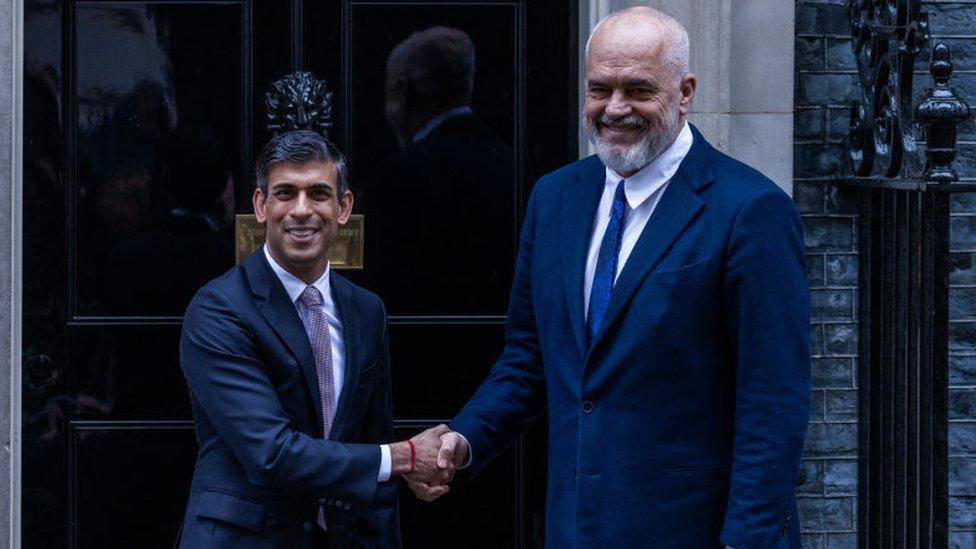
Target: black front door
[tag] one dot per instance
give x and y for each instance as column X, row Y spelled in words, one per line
column 142, row 122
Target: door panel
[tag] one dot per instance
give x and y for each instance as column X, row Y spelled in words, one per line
column 130, row 482
column 427, row 358
column 142, row 120
column 155, row 154
column 481, row 514
column 421, row 194
column 126, row 371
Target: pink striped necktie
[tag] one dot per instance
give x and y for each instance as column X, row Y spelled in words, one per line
column 318, row 336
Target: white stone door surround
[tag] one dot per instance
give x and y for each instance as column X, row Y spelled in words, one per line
column 11, row 134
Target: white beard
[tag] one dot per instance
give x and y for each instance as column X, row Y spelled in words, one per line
column 640, row 154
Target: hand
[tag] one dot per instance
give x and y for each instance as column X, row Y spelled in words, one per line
column 428, row 446
column 424, row 491
column 423, row 467
column 453, row 452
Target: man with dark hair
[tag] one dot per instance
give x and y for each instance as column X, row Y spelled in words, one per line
column 289, row 379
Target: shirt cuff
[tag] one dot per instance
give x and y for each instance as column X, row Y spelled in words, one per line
column 386, row 464
column 467, row 462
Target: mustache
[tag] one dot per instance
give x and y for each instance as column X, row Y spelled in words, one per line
column 629, row 120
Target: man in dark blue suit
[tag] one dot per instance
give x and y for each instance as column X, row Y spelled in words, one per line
column 660, row 315
column 289, row 378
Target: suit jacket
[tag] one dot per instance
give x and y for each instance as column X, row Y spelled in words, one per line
column 263, row 468
column 682, row 423
column 460, row 175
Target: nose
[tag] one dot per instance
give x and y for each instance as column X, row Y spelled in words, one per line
column 302, row 206
column 618, row 106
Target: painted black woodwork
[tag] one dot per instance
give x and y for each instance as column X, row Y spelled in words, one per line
column 120, row 97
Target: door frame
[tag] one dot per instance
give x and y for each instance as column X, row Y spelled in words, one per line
column 11, row 186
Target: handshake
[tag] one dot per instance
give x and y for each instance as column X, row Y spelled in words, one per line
column 429, row 460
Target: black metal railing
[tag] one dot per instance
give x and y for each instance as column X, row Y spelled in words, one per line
column 903, row 281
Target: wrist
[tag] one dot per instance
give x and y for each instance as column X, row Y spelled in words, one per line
column 400, row 458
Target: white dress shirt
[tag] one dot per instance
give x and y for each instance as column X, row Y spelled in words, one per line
column 643, row 191
column 294, row 288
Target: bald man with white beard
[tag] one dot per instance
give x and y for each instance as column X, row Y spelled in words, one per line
column 660, row 315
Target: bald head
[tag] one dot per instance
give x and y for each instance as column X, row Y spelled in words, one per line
column 440, row 63
column 655, row 30
column 638, row 88
column 426, row 74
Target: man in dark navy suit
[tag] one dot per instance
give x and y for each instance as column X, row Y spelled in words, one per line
column 660, row 314
column 289, row 378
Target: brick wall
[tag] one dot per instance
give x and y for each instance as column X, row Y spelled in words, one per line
column 826, row 84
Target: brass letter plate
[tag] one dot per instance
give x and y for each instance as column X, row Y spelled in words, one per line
column 346, row 252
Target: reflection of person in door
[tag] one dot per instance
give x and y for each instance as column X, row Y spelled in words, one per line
column 159, row 270
column 447, row 193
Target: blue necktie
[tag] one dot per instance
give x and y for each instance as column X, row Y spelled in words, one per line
column 606, row 263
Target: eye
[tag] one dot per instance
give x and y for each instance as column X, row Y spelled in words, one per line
column 320, row 193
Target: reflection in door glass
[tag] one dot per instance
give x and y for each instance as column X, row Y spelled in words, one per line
column 158, row 135
column 443, row 179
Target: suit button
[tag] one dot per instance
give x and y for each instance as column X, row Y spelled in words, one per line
column 322, row 501
column 347, row 506
column 587, row 406
column 338, row 503
column 307, row 526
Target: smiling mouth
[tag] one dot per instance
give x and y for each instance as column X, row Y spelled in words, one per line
column 619, row 135
column 302, row 232
column 621, row 128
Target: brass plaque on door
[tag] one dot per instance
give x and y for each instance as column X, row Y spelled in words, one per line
column 346, row 252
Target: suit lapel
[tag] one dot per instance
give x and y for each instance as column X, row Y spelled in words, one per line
column 673, row 214
column 579, row 204
column 281, row 315
column 351, row 335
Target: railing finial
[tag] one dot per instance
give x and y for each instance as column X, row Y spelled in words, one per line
column 940, row 111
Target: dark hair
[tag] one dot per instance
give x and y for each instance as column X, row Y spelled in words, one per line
column 440, row 63
column 299, row 147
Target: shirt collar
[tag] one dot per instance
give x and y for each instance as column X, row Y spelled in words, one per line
column 650, row 178
column 432, row 124
column 294, row 286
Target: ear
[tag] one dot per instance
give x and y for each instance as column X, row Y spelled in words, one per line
column 345, row 206
column 687, row 88
column 258, row 201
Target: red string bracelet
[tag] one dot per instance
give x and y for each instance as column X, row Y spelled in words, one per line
column 413, row 455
